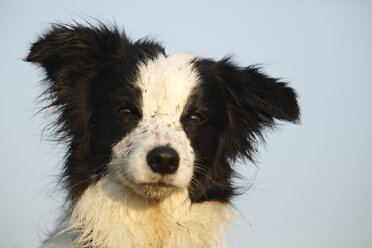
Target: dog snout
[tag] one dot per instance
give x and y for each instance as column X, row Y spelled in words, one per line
column 163, row 160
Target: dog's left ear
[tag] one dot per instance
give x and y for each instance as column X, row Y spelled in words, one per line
column 254, row 101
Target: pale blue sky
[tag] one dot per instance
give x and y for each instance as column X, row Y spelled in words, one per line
column 313, row 187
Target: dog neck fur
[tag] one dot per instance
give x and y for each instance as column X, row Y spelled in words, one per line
column 108, row 215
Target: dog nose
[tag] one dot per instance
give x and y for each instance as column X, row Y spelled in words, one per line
column 163, row 160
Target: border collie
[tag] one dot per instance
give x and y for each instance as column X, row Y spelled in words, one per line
column 151, row 137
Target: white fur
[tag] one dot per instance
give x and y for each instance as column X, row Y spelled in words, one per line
column 166, row 84
column 114, row 217
column 132, row 206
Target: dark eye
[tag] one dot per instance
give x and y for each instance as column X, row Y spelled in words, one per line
column 196, row 118
column 124, row 111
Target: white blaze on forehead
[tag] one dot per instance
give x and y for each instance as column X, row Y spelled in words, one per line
column 166, row 83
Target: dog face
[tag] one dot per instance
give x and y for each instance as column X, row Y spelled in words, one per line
column 151, row 122
column 156, row 156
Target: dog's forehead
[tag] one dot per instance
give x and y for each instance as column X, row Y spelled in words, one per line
column 166, row 83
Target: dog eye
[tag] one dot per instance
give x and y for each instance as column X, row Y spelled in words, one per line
column 196, row 118
column 124, row 111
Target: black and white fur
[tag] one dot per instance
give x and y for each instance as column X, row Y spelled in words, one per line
column 151, row 137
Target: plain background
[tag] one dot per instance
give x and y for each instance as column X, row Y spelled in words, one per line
column 312, row 186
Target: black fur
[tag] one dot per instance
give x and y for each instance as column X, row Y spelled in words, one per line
column 90, row 73
column 243, row 102
column 83, row 66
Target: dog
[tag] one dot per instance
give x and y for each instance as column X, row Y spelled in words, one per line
column 151, row 137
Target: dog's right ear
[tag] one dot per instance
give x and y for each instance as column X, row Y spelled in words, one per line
column 68, row 50
column 71, row 57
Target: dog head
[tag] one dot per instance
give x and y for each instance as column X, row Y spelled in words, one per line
column 153, row 122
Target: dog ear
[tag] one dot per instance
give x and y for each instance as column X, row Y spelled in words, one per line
column 254, row 101
column 74, row 50
column 71, row 57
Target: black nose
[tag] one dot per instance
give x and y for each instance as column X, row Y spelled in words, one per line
column 163, row 160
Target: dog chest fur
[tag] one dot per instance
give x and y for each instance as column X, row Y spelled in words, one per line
column 106, row 216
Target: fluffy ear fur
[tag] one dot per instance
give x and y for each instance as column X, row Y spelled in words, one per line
column 71, row 57
column 254, row 101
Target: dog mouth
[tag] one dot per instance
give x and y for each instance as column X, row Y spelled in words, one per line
column 151, row 190
column 157, row 185
column 154, row 190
